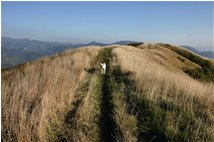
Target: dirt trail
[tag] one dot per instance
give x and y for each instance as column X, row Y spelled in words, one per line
column 106, row 121
column 101, row 123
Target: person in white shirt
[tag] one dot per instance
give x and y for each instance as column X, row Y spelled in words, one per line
column 103, row 69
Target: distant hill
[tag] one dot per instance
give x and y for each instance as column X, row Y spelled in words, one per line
column 18, row 51
column 125, row 42
column 208, row 54
column 93, row 43
column 36, row 46
column 12, row 57
column 122, row 42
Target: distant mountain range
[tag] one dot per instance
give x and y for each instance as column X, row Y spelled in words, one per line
column 18, row 51
column 208, row 54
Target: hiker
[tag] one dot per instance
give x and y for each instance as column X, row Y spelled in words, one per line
column 103, row 69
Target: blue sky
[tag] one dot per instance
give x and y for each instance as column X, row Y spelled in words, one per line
column 181, row 23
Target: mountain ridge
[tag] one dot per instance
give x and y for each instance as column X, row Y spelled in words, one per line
column 18, row 51
column 208, row 54
column 15, row 51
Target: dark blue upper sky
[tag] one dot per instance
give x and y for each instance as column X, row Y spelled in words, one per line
column 189, row 23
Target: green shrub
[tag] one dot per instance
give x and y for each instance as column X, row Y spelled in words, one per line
column 135, row 44
column 201, row 74
column 205, row 73
column 181, row 59
column 104, row 55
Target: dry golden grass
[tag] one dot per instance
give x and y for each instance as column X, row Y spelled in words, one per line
column 38, row 96
column 34, row 93
column 86, row 126
column 167, row 57
column 160, row 78
column 141, row 62
column 126, row 122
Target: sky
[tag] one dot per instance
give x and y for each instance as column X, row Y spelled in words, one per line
column 179, row 23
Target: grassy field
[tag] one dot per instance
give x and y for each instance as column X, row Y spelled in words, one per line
column 146, row 95
column 170, row 106
column 34, row 93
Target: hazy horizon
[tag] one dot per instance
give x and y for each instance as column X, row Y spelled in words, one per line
column 179, row 23
column 204, row 48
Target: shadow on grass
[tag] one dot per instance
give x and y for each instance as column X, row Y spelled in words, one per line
column 80, row 94
column 108, row 126
column 150, row 123
column 107, row 123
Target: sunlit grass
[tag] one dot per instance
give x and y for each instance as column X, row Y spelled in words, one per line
column 173, row 106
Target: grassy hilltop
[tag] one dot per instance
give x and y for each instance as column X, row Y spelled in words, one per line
column 151, row 92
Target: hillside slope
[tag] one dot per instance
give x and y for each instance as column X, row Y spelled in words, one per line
column 208, row 54
column 146, row 95
column 34, row 92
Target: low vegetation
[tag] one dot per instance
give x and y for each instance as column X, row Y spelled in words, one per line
column 169, row 105
column 140, row 98
column 205, row 73
column 135, row 44
column 200, row 74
